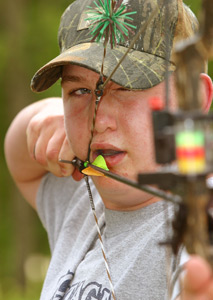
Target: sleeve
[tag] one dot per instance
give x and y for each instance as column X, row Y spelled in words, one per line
column 54, row 196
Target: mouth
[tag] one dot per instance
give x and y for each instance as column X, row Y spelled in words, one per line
column 106, row 153
column 111, row 156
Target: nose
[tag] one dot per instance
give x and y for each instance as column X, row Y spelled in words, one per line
column 106, row 114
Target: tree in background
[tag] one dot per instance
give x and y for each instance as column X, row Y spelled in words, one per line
column 28, row 31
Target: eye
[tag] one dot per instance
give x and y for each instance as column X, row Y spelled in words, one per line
column 130, row 90
column 124, row 94
column 125, row 90
column 79, row 92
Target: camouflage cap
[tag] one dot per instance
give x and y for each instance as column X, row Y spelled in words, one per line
column 144, row 66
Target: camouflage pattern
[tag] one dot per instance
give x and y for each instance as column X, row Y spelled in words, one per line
column 143, row 68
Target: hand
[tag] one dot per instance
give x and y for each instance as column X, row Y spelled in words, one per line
column 47, row 141
column 198, row 281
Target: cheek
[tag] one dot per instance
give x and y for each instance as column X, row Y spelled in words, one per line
column 140, row 135
column 140, row 122
column 77, row 129
column 145, row 141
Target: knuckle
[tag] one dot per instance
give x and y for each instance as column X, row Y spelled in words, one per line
column 41, row 159
column 54, row 169
column 66, row 171
column 33, row 126
column 51, row 120
column 56, row 172
column 52, row 154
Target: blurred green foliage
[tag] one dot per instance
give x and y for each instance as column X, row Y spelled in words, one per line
column 28, row 39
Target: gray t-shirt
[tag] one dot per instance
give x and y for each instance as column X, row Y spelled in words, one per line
column 131, row 239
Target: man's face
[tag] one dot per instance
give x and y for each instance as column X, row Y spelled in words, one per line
column 122, row 132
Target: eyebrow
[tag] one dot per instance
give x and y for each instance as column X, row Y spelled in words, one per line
column 72, row 78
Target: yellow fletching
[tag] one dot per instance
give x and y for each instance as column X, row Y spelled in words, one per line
column 91, row 172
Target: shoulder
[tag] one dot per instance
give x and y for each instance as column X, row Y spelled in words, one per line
column 58, row 192
column 63, row 206
column 57, row 197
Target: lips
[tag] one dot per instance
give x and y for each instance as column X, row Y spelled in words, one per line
column 111, row 154
column 106, row 153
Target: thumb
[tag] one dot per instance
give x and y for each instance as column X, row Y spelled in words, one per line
column 198, row 274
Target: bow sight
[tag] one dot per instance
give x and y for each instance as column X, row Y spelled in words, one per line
column 187, row 138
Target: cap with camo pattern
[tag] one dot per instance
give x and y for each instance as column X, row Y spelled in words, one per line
column 144, row 66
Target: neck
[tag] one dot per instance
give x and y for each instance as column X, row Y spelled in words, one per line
column 134, row 205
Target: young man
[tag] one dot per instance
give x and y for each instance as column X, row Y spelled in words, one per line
column 132, row 223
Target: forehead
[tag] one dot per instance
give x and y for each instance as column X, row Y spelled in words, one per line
column 75, row 73
column 71, row 68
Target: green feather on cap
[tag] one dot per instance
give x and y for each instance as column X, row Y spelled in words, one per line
column 109, row 21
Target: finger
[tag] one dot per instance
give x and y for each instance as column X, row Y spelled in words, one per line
column 77, row 175
column 40, row 148
column 211, row 290
column 66, row 153
column 43, row 125
column 68, row 169
column 198, row 275
column 38, row 135
column 34, row 152
column 54, row 147
column 32, row 137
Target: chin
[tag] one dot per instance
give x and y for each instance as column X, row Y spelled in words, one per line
column 112, row 186
column 108, row 184
column 118, row 194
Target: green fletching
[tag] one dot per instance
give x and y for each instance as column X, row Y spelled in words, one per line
column 109, row 21
column 100, row 162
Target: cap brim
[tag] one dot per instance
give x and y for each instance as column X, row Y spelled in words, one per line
column 139, row 70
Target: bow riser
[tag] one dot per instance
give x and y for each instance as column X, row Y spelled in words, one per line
column 190, row 60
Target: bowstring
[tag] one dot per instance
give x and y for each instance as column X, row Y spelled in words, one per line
column 101, row 84
column 98, row 95
column 168, row 252
column 99, row 236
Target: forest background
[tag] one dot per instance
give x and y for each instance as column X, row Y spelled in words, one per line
column 28, row 39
